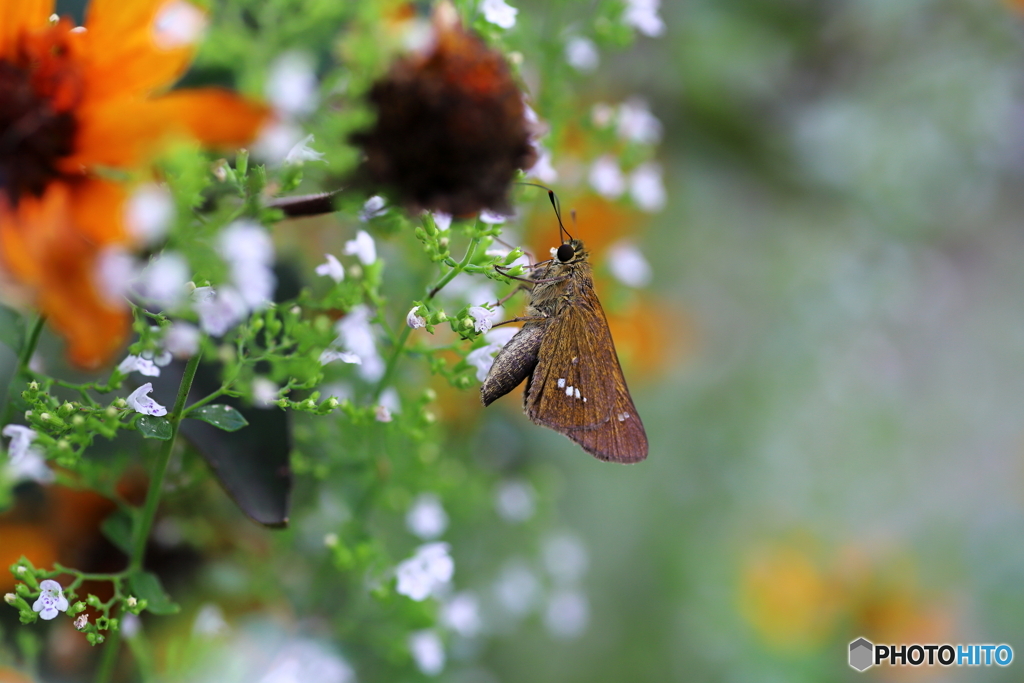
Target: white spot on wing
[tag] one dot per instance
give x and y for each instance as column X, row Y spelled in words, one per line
column 584, row 399
column 576, row 392
column 561, row 382
column 568, row 391
column 622, row 417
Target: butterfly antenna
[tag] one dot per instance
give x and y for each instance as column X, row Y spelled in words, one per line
column 557, row 206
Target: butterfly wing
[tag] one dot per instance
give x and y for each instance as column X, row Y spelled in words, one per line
column 577, row 387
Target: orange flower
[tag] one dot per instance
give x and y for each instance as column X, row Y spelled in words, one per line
column 76, row 104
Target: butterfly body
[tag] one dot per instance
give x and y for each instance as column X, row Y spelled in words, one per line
column 566, row 354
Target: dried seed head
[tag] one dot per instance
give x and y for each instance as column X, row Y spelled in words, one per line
column 451, row 128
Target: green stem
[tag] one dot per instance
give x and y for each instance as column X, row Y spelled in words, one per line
column 392, row 365
column 144, row 522
column 24, row 358
column 30, row 344
column 156, row 479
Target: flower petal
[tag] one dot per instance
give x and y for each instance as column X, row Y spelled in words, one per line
column 125, row 131
column 126, row 54
column 43, row 247
column 20, row 15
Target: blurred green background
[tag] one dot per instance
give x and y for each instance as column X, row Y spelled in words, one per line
column 836, row 420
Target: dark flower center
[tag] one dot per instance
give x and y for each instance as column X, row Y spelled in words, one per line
column 33, row 137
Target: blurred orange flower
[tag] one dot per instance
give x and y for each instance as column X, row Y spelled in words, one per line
column 787, row 597
column 76, row 104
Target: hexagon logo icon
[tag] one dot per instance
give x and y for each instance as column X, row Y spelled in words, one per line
column 861, row 654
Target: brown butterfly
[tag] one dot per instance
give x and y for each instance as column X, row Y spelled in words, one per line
column 574, row 383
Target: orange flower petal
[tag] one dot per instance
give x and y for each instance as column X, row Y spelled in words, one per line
column 44, row 247
column 215, row 117
column 124, row 132
column 98, row 208
column 126, row 52
column 20, row 15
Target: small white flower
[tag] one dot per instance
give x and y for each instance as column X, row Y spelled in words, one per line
column 25, row 461
column 483, row 358
column 149, row 212
column 210, row 621
column 628, row 264
column 646, row 187
column 182, row 339
column 565, row 558
column 140, row 365
column 426, row 518
column 643, row 16
column 51, row 600
column 499, row 13
column 427, row 651
column 429, row 569
column 374, row 207
column 542, row 170
column 636, row 122
column 178, row 24
column 116, row 270
column 302, row 660
column 482, row 318
column 602, row 114
column 276, row 139
column 567, row 614
column 301, row 152
column 606, row 177
column 356, row 335
column 163, row 280
column 140, row 401
column 581, row 54
column 492, row 217
column 245, row 242
column 442, row 220
column 291, row 85
column 389, row 399
column 332, row 268
column 130, row 625
column 517, row 588
column 462, row 614
column 81, row 621
column 414, row 320
column 21, row 440
column 362, row 247
column 330, row 355
column 514, row 501
column 382, row 414
column 264, row 392
column 221, row 311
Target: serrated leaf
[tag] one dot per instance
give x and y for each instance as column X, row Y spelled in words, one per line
column 118, row 530
column 220, row 416
column 12, row 329
column 154, row 427
column 146, row 585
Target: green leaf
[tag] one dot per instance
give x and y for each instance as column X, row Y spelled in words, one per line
column 220, row 416
column 146, row 586
column 154, row 427
column 118, row 530
column 12, row 329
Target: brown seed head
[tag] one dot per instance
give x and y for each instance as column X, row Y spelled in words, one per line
column 451, row 130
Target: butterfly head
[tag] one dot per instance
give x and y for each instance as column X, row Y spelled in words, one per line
column 570, row 251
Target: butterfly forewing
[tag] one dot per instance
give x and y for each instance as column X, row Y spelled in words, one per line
column 577, row 387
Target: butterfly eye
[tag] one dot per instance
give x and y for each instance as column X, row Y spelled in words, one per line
column 565, row 253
